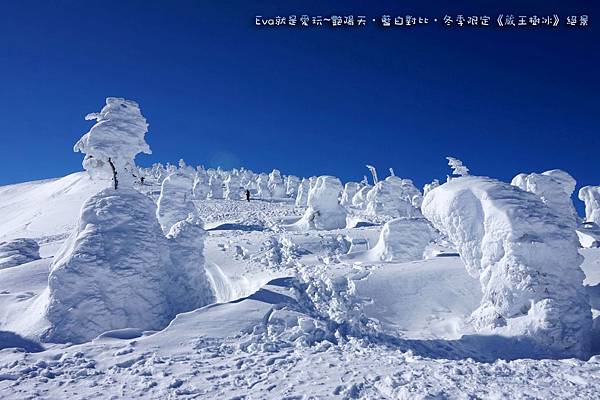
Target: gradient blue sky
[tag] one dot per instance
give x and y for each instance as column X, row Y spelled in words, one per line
column 217, row 90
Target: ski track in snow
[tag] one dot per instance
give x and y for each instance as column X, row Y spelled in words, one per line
column 291, row 320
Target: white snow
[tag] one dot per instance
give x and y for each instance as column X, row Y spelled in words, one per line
column 555, row 188
column 116, row 138
column 18, row 251
column 394, row 197
column 324, row 211
column 591, row 196
column 174, row 203
column 235, row 303
column 526, row 260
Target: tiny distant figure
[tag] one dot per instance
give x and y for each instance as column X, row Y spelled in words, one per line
column 142, row 180
column 247, row 195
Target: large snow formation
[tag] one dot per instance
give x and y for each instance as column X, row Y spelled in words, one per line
column 276, row 184
column 525, row 258
column 590, row 195
column 394, row 197
column 189, row 285
column 215, row 185
column 18, row 251
column 324, row 210
column 110, row 273
column 262, row 186
column 233, row 189
column 118, row 270
column 174, row 202
column 360, row 198
column 403, row 239
column 555, row 188
column 350, row 189
column 116, row 138
column 302, row 195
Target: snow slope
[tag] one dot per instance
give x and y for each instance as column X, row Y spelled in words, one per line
column 296, row 317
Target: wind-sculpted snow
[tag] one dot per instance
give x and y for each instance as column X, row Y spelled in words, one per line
column 394, row 197
column 233, row 189
column 302, row 194
column 360, row 198
column 18, row 251
column 117, row 137
column 262, row 186
column 591, row 196
column 525, row 258
column 324, row 211
column 403, row 239
column 215, row 185
column 276, row 184
column 350, row 189
column 112, row 272
column 118, row 270
column 291, row 186
column 555, row 188
column 174, row 203
column 189, row 285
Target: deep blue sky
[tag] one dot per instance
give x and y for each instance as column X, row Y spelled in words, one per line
column 216, row 89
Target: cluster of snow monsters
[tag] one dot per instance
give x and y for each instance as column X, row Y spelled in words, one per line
column 130, row 263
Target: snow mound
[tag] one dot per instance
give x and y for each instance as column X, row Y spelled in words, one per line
column 189, row 284
column 18, row 251
column 174, row 202
column 527, row 262
column 116, row 270
column 324, row 211
column 403, row 240
column 590, row 195
column 555, row 188
column 360, row 198
column 276, row 184
column 302, row 194
column 400, row 240
column 350, row 189
column 394, row 197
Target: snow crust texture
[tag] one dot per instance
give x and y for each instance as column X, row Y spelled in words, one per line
column 525, row 258
column 18, row 251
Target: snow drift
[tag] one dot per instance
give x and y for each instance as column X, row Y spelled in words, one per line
column 525, row 258
column 18, row 251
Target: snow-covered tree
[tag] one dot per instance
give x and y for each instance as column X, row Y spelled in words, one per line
column 373, row 173
column 111, row 145
column 457, row 166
